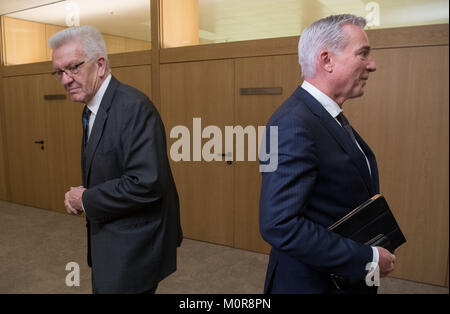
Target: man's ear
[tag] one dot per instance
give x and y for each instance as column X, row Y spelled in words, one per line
column 101, row 62
column 326, row 61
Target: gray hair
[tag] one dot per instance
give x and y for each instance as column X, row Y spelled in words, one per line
column 325, row 33
column 90, row 38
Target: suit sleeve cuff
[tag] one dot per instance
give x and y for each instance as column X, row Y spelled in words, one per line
column 376, row 256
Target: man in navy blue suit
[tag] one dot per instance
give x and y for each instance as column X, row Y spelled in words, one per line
column 325, row 169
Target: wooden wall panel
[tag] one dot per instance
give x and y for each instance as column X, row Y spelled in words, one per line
column 24, row 41
column 3, row 173
column 404, row 116
column 3, row 151
column 137, row 76
column 255, row 110
column 204, row 90
column 50, row 30
column 446, row 279
column 118, row 44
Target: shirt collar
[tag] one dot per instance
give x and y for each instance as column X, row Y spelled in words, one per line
column 329, row 104
column 94, row 104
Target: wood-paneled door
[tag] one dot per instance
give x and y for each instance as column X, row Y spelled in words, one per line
column 25, row 122
column 255, row 110
column 202, row 90
column 63, row 131
column 43, row 139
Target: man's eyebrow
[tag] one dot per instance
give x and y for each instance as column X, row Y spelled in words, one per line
column 364, row 48
column 67, row 66
column 56, row 68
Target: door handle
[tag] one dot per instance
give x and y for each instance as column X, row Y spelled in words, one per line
column 229, row 162
column 41, row 142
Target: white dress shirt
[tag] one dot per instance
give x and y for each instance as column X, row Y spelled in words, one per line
column 332, row 107
column 334, row 110
column 94, row 104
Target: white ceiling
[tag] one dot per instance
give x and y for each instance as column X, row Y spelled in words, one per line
column 231, row 20
column 128, row 18
column 8, row 6
column 228, row 20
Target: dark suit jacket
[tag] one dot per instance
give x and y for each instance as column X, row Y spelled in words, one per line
column 131, row 202
column 321, row 176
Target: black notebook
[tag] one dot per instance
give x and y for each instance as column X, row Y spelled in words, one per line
column 371, row 223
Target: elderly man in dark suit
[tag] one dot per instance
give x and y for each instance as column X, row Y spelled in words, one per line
column 325, row 169
column 128, row 192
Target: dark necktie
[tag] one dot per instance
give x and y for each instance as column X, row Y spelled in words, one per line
column 86, row 116
column 347, row 127
column 344, row 122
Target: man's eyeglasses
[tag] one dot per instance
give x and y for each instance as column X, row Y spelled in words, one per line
column 70, row 71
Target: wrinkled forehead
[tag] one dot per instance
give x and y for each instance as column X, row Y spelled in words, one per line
column 68, row 54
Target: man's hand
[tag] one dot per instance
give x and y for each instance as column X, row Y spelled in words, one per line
column 386, row 261
column 72, row 200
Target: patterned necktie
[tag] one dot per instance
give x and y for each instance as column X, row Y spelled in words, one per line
column 86, row 116
column 347, row 127
column 344, row 122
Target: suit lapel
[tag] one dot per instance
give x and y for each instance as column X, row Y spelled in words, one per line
column 372, row 161
column 83, row 163
column 340, row 135
column 98, row 127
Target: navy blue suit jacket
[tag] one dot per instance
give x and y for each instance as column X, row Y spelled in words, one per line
column 321, row 176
